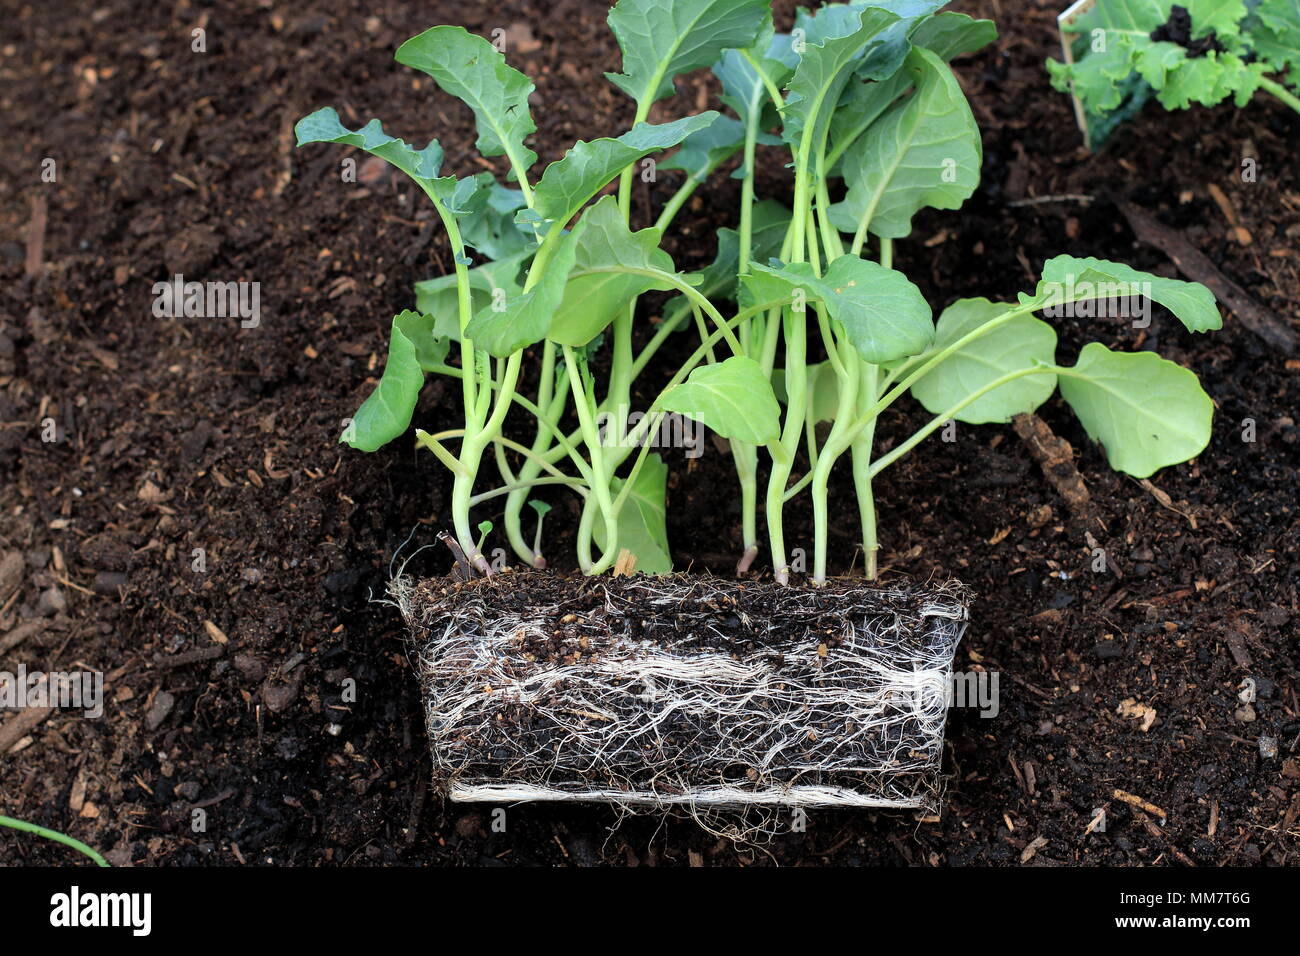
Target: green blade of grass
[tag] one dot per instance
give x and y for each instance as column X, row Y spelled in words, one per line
column 57, row 837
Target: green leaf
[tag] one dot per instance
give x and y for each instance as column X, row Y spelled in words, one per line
column 883, row 314
column 925, row 151
column 1220, row 17
column 952, row 34
column 420, row 330
column 460, row 197
column 1146, row 412
column 593, row 298
column 888, row 48
column 492, row 231
column 861, row 104
column 1275, row 32
column 323, row 126
column 1021, row 343
column 489, row 282
column 642, row 521
column 828, row 60
column 518, row 321
column 663, row 38
column 705, row 150
column 1207, row 80
column 474, row 71
column 387, row 412
column 1068, row 279
column 734, row 398
column 568, row 183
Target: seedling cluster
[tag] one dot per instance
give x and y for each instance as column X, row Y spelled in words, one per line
column 801, row 317
column 1200, row 51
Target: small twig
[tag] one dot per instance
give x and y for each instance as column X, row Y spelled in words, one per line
column 464, row 570
column 19, row 634
column 625, row 564
column 1194, row 264
column 35, row 263
column 210, row 653
column 1055, row 456
column 1136, row 801
column 1059, row 197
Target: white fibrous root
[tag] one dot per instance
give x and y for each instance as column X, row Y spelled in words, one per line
column 685, row 692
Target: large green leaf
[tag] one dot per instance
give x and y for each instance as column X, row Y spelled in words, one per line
column 883, row 314
column 491, row 282
column 734, row 398
column 1021, row 343
column 474, row 71
column 1070, row 279
column 422, row 165
column 923, row 152
column 1146, row 412
column 829, row 58
column 643, row 519
column 568, row 183
column 663, row 38
column 861, row 104
column 594, row 295
column 387, row 412
column 952, row 34
column 521, row 320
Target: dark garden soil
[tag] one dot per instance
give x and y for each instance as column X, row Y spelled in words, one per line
column 1119, row 689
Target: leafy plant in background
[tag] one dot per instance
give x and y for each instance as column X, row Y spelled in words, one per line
column 1201, row 51
column 797, row 320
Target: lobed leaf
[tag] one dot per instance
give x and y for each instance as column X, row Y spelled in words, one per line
column 1070, row 279
column 1275, row 32
column 569, row 182
column 663, row 38
column 323, row 126
column 387, row 412
column 475, row 72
